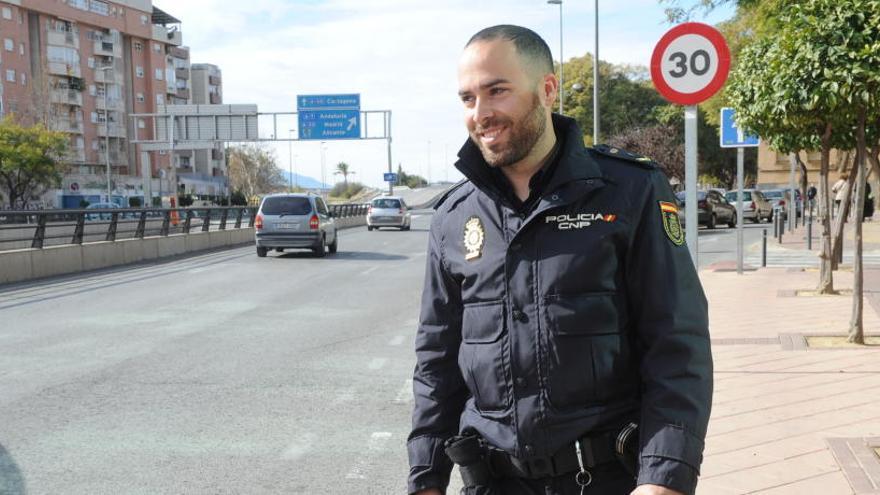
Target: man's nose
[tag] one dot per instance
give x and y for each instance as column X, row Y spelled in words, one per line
column 483, row 111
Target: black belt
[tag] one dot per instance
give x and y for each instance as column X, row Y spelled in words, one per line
column 596, row 450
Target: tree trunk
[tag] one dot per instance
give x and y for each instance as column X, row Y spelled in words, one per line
column 826, row 274
column 840, row 221
column 856, row 330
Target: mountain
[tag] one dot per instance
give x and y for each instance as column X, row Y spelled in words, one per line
column 303, row 181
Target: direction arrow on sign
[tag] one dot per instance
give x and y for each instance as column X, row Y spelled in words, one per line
column 329, row 124
column 733, row 136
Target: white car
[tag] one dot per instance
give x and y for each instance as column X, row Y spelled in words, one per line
column 389, row 211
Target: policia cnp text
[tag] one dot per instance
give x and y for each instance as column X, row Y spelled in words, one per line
column 554, row 356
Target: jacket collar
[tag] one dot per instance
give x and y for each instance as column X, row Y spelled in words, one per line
column 574, row 164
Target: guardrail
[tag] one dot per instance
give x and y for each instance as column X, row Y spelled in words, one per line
column 42, row 228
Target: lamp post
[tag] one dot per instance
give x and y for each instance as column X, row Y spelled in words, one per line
column 596, row 82
column 107, row 132
column 293, row 181
column 561, row 58
column 323, row 175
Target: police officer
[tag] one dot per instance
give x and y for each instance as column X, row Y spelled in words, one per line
column 563, row 336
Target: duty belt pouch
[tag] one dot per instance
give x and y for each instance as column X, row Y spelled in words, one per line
column 468, row 452
column 626, row 448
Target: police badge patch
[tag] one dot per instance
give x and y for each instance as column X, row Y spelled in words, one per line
column 474, row 237
column 671, row 222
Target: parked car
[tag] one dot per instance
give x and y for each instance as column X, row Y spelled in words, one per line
column 286, row 221
column 388, row 211
column 755, row 206
column 780, row 198
column 712, row 209
column 92, row 217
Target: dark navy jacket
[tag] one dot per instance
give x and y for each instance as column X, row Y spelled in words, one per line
column 574, row 318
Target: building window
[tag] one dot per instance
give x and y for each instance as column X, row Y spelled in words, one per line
column 7, row 13
column 160, row 99
column 144, row 20
column 91, row 62
column 140, row 97
column 141, row 124
column 10, row 75
column 92, row 90
column 139, row 71
column 95, row 145
column 99, row 7
column 9, row 45
column 158, row 74
column 23, row 78
column 79, row 4
column 138, row 46
column 21, row 49
column 157, row 48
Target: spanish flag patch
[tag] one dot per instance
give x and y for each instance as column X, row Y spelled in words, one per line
column 671, row 222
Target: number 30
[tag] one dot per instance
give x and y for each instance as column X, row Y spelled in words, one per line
column 700, row 63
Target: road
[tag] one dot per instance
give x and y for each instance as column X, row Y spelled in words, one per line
column 718, row 245
column 222, row 373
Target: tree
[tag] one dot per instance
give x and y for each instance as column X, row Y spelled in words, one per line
column 30, row 161
column 344, row 170
column 253, row 171
column 411, row 181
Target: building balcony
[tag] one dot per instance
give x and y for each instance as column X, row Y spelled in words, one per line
column 216, row 99
column 215, row 80
column 75, row 155
column 216, row 154
column 108, row 48
column 66, row 97
column 63, row 38
column 181, row 73
column 117, row 158
column 183, row 93
column 165, row 35
column 115, row 130
column 112, row 104
column 108, row 76
column 66, row 125
column 179, row 52
column 64, row 69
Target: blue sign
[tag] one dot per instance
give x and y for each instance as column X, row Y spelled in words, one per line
column 390, row 177
column 326, row 102
column 732, row 136
column 324, row 125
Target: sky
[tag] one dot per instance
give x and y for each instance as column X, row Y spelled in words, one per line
column 399, row 55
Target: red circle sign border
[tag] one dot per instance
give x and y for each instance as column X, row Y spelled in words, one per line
column 717, row 40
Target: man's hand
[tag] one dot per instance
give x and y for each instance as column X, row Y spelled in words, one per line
column 654, row 490
column 430, row 491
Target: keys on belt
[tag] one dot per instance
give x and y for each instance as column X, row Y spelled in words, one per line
column 595, row 451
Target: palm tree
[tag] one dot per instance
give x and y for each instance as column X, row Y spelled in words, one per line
column 343, row 169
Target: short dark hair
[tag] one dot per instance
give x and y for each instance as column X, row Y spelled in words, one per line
column 528, row 43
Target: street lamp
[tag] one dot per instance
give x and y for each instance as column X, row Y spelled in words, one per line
column 293, row 181
column 561, row 58
column 323, row 175
column 596, row 82
column 107, row 132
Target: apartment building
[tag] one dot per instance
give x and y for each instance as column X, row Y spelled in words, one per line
column 209, row 174
column 83, row 67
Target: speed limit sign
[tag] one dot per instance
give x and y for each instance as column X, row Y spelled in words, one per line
column 690, row 63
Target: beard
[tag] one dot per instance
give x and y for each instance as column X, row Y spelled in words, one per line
column 524, row 134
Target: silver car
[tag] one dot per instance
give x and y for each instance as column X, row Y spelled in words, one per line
column 388, row 211
column 295, row 221
column 755, row 206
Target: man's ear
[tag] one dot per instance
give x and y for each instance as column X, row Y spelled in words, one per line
column 549, row 89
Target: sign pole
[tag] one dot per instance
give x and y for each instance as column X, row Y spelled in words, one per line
column 390, row 169
column 792, row 203
column 690, row 181
column 740, row 166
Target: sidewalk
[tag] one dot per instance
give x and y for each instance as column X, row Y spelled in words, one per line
column 788, row 419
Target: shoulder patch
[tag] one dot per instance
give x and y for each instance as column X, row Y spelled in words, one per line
column 621, row 154
column 449, row 193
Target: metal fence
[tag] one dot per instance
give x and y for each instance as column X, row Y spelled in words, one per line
column 43, row 228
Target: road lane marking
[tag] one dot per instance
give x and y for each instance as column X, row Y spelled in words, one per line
column 299, row 447
column 377, row 363
column 370, row 270
column 374, row 446
column 396, row 340
column 405, row 395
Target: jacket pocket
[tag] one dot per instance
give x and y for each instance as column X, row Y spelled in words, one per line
column 481, row 358
column 587, row 355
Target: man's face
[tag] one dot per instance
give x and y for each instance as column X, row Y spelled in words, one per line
column 505, row 104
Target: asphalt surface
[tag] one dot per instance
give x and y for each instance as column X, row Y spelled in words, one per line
column 223, row 373
column 719, row 244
